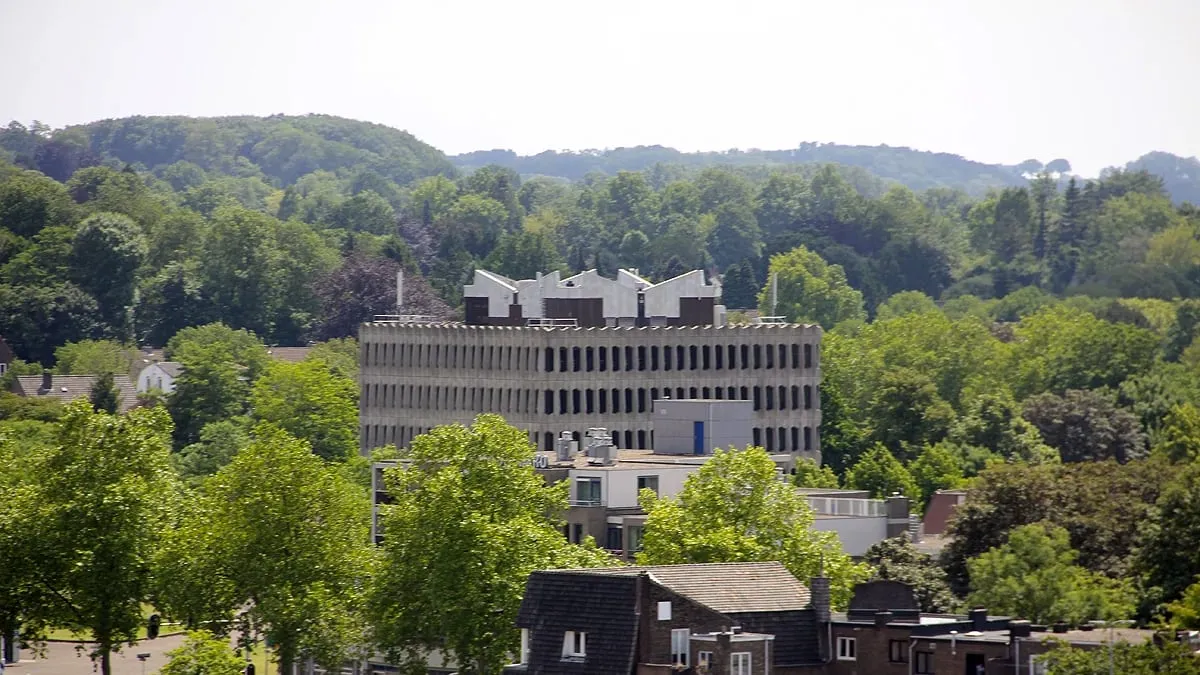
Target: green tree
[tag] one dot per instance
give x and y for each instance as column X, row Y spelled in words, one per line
column 103, row 395
column 1147, row 658
column 897, row 559
column 203, row 654
column 904, row 303
column 92, row 357
column 993, row 422
column 880, row 473
column 735, row 236
column 906, row 411
column 811, row 290
column 240, row 268
column 218, row 443
column 90, row 518
column 523, row 255
column 365, row 212
column 310, row 402
column 735, row 509
column 105, row 257
column 469, row 521
column 936, row 468
column 1034, row 576
column 280, row 539
column 739, row 289
column 219, row 366
column 1185, row 613
column 1085, row 426
column 1180, row 437
column 340, row 354
column 30, row 202
column 1170, row 552
column 812, row 475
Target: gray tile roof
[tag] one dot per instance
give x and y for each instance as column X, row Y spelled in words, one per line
column 172, row 368
column 727, row 587
column 289, row 354
column 67, row 388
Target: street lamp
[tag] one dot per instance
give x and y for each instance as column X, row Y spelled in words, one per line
column 142, row 657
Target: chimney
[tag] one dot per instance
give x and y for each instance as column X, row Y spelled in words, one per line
column 820, row 597
column 47, row 380
column 978, row 618
column 882, row 618
column 1018, row 628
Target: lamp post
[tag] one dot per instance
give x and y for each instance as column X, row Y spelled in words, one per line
column 1109, row 625
column 142, row 657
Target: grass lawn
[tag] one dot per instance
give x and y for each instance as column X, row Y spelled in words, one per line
column 165, row 629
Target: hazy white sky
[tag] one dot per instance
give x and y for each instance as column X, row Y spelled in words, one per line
column 1099, row 82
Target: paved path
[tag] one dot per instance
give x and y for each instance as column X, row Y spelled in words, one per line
column 61, row 658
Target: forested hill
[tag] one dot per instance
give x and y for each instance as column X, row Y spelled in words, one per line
column 279, row 148
column 1181, row 175
column 916, row 169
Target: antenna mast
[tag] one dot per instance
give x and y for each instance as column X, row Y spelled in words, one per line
column 399, row 291
column 774, row 291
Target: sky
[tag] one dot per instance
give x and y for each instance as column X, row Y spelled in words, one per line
column 1098, row 82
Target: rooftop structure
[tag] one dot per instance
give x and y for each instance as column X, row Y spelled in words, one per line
column 592, row 301
column 67, row 388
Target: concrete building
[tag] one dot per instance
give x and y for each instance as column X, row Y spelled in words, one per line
column 592, row 301
column 544, row 380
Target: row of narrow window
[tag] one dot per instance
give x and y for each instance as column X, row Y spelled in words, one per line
column 592, row 359
column 773, row 439
column 575, row 401
column 679, row 357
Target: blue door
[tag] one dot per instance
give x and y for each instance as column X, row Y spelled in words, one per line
column 698, row 438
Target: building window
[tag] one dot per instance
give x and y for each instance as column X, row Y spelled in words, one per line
column 577, row 533
column 574, row 644
column 704, row 659
column 613, row 538
column 846, row 649
column 897, row 651
column 739, row 663
column 680, row 643
column 808, row 356
column 647, row 483
column 524, row 645
column 924, row 663
column 664, row 610
column 635, row 538
column 587, row 491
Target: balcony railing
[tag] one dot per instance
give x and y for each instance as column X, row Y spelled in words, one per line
column 848, row 506
column 586, row 502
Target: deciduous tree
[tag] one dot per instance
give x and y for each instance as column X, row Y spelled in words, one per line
column 735, row 509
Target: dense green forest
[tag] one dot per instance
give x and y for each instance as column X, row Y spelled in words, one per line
column 1036, row 342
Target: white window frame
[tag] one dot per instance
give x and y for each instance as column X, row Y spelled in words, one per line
column 681, row 643
column 704, row 659
column 740, row 663
column 664, row 610
column 847, row 649
column 927, row 658
column 574, row 644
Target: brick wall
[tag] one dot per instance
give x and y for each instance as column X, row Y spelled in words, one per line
column 655, row 636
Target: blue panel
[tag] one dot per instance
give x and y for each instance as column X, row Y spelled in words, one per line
column 698, row 438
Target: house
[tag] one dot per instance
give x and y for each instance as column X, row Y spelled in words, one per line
column 6, row 356
column 67, row 388
column 723, row 618
column 159, row 376
column 289, row 354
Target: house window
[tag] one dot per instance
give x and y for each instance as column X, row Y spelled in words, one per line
column 613, row 538
column 524, row 645
column 739, row 663
column 704, row 658
column 897, row 651
column 587, row 491
column 846, row 649
column 680, row 639
column 577, row 533
column 635, row 538
column 648, row 483
column 664, row 610
column 924, row 663
column 574, row 644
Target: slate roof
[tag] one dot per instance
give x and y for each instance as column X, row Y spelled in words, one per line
column 727, row 587
column 172, row 368
column 67, row 388
column 603, row 606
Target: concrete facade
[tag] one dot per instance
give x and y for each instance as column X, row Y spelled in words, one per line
column 697, row 426
column 547, row 380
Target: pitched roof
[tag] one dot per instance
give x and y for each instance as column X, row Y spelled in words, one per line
column 727, row 587
column 289, row 354
column 604, row 607
column 172, row 368
column 67, row 388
